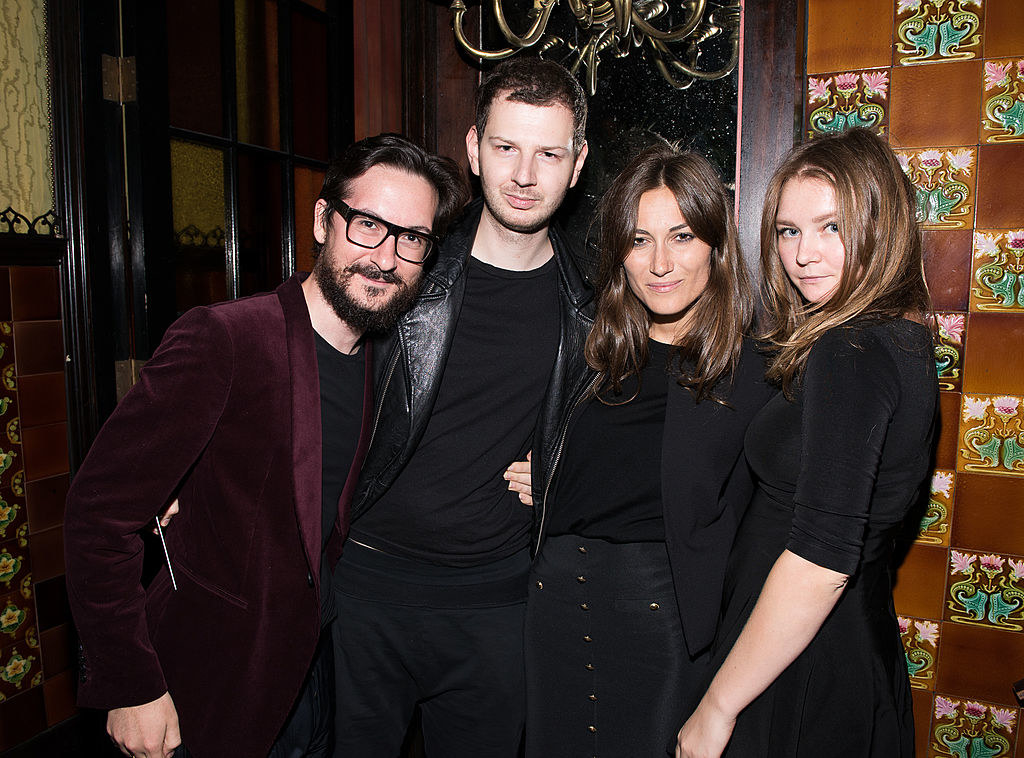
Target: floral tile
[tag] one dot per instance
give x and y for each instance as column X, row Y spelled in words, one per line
column 991, row 435
column 1003, row 101
column 935, row 524
column 838, row 102
column 949, row 350
column 921, row 646
column 945, row 185
column 17, row 616
column 969, row 729
column 986, row 590
column 15, row 567
column 20, row 668
column 997, row 271
column 937, row 30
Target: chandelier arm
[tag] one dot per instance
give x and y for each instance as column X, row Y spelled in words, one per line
column 623, row 11
column 666, row 62
column 676, row 33
column 536, row 31
column 458, row 10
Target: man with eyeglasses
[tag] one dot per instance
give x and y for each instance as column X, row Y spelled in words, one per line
column 432, row 586
column 255, row 416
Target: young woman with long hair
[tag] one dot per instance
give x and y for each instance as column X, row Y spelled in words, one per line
column 638, row 504
column 809, row 650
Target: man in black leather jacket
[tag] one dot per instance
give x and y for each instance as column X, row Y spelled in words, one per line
column 431, row 588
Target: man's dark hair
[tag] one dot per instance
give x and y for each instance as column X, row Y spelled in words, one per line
column 399, row 152
column 534, row 81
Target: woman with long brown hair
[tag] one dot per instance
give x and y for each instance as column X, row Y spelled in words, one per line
column 813, row 663
column 641, row 497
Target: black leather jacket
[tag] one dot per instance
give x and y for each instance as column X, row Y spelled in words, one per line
column 411, row 361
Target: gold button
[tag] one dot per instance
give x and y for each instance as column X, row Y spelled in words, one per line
column 589, row 667
column 582, row 549
column 654, row 606
column 540, row 585
column 581, row 579
column 587, row 638
column 592, row 728
column 584, row 607
column 592, row 696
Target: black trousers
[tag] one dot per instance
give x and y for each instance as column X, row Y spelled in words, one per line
column 607, row 671
column 449, row 639
column 308, row 731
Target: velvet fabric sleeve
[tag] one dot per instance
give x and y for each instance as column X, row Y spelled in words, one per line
column 850, row 393
column 131, row 473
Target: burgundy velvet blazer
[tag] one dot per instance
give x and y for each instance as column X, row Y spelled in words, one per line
column 226, row 417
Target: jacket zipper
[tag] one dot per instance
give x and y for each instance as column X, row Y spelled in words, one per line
column 384, row 390
column 558, row 457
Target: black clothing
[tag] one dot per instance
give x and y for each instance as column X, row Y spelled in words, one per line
column 705, row 486
column 837, row 468
column 409, row 376
column 463, row 665
column 609, row 482
column 341, row 379
column 450, row 505
column 606, row 664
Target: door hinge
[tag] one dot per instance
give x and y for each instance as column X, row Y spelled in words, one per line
column 119, row 79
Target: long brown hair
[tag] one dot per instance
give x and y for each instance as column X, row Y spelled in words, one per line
column 710, row 349
column 883, row 274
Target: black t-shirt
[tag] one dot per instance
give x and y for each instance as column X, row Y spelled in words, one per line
column 341, row 414
column 609, row 483
column 450, row 504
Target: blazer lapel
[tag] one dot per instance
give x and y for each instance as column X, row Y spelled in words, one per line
column 305, row 418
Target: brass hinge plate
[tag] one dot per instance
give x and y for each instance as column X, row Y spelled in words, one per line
column 119, row 79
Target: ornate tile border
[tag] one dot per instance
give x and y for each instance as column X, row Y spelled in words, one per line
column 935, row 524
column 949, row 349
column 971, row 729
column 1003, row 111
column 986, row 590
column 921, row 647
column 837, row 102
column 997, row 271
column 991, row 435
column 945, row 199
column 20, row 668
column 937, row 30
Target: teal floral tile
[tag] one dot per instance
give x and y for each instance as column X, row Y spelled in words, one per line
column 921, row 646
column 837, row 102
column 969, row 729
column 991, row 435
column 949, row 350
column 938, row 30
column 17, row 616
column 20, row 668
column 986, row 590
column 997, row 272
column 944, row 182
column 935, row 524
column 1003, row 116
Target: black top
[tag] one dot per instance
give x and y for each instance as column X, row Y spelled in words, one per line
column 609, row 486
column 450, row 504
column 341, row 416
column 852, row 451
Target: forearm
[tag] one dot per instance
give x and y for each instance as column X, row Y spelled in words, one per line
column 777, row 631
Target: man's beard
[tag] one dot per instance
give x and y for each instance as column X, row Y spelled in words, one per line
column 334, row 286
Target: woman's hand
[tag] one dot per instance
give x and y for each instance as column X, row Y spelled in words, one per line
column 520, row 480
column 705, row 734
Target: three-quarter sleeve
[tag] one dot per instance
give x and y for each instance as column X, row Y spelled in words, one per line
column 850, row 393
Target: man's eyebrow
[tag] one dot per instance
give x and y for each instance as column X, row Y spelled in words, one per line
column 374, row 214
column 542, row 148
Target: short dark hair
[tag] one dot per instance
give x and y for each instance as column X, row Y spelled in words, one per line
column 534, row 81
column 399, row 152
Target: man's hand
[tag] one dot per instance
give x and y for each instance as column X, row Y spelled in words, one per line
column 165, row 519
column 146, row 731
column 519, row 479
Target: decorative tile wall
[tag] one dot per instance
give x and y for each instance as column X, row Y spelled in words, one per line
column 36, row 686
column 943, row 81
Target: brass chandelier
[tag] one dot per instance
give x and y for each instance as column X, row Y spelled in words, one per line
column 615, row 28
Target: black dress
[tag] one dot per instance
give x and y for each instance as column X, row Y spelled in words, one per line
column 838, row 469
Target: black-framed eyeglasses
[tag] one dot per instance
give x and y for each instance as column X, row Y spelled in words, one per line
column 366, row 230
